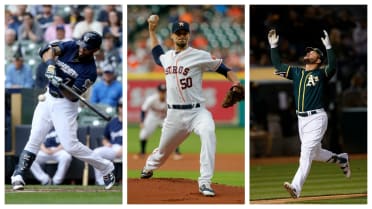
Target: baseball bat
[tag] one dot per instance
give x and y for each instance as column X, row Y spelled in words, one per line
column 82, row 99
column 86, row 165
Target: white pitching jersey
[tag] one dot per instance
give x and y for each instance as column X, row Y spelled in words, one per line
column 184, row 72
column 153, row 106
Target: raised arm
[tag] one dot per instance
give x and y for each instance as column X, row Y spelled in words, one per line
column 157, row 51
column 153, row 24
column 330, row 69
column 281, row 69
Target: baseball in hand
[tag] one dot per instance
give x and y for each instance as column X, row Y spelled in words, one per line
column 41, row 97
column 153, row 18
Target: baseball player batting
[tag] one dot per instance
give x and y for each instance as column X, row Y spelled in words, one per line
column 71, row 63
column 183, row 68
column 308, row 85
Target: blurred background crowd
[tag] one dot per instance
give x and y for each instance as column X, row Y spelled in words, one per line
column 302, row 26
column 218, row 29
column 28, row 27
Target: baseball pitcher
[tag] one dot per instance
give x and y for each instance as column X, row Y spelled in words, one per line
column 183, row 68
column 308, row 85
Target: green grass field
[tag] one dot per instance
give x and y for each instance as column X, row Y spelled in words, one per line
column 64, row 194
column 324, row 179
column 230, row 140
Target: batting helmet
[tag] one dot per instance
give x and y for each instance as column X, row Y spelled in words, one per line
column 90, row 40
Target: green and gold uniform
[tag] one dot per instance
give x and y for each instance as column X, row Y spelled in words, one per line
column 308, row 86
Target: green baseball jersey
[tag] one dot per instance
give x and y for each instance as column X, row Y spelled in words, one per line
column 308, row 86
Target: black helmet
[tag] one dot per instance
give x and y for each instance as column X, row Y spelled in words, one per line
column 90, row 40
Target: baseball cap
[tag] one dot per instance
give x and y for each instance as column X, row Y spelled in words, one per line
column 162, row 87
column 317, row 50
column 60, row 27
column 18, row 55
column 181, row 25
column 120, row 102
column 108, row 68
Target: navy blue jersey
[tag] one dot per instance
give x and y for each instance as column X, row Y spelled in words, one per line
column 113, row 131
column 51, row 140
column 79, row 75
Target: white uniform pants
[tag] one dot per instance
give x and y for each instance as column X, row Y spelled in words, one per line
column 108, row 153
column 63, row 159
column 177, row 126
column 62, row 113
column 311, row 130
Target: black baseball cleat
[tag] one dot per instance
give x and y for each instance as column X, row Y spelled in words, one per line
column 146, row 174
column 109, row 180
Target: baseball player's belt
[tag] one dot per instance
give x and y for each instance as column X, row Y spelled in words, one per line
column 310, row 112
column 183, row 107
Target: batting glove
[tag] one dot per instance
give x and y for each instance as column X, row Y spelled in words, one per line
column 51, row 69
column 326, row 41
column 273, row 38
column 56, row 81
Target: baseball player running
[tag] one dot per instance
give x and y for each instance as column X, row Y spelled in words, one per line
column 72, row 63
column 308, row 85
column 183, row 68
column 153, row 112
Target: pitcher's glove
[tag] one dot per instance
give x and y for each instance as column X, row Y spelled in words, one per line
column 234, row 95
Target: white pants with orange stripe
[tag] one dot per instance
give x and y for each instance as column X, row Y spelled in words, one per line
column 177, row 126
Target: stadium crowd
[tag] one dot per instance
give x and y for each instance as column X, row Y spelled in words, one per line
column 302, row 26
column 272, row 106
column 216, row 28
column 28, row 27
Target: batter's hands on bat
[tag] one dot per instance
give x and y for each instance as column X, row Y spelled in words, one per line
column 153, row 22
column 326, row 41
column 56, row 81
column 273, row 38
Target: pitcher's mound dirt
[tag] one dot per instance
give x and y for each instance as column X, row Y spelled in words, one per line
column 179, row 191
